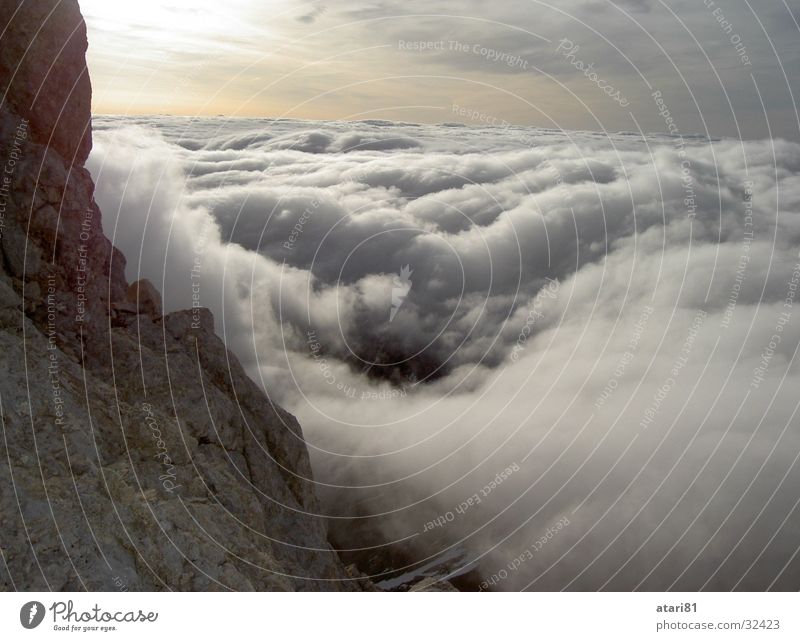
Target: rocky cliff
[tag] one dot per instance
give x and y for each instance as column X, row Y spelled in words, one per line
column 135, row 454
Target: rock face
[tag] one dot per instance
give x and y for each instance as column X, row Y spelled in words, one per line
column 135, row 454
column 43, row 74
column 145, row 298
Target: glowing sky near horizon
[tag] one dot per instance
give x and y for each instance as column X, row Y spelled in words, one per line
column 353, row 60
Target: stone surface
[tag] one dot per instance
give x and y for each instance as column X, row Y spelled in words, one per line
column 43, row 73
column 136, row 453
column 145, row 297
column 432, row 584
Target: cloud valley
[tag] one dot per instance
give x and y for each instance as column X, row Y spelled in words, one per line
column 605, row 315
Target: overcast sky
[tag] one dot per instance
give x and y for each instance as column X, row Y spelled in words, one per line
column 724, row 67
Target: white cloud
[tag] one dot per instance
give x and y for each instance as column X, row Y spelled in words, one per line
column 484, row 217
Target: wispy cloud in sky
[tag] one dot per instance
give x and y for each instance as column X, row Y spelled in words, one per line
column 410, row 60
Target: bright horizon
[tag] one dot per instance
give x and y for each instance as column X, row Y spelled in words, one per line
column 577, row 67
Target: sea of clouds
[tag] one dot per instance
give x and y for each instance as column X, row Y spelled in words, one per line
column 570, row 356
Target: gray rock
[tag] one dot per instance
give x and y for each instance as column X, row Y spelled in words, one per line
column 145, row 297
column 136, row 452
column 43, row 73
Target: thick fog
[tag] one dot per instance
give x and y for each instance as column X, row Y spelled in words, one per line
column 570, row 357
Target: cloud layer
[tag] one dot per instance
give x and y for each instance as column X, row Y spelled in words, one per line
column 605, row 316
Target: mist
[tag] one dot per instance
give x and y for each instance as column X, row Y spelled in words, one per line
column 568, row 357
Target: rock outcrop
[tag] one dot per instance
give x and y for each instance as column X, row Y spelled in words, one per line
column 145, row 299
column 43, row 75
column 135, row 453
